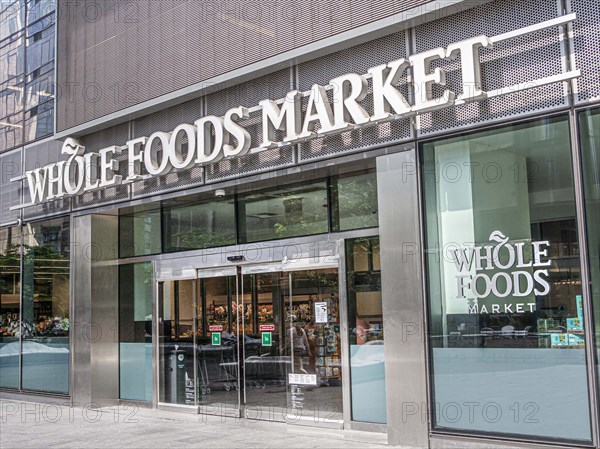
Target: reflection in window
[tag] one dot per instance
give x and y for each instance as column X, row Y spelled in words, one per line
column 11, row 98
column 504, row 286
column 135, row 331
column 11, row 131
column 283, row 212
column 38, row 9
column 12, row 58
column 10, row 286
column 39, row 121
column 12, row 18
column 40, row 49
column 355, row 198
column 198, row 224
column 39, row 90
column 46, row 306
column 139, row 231
column 365, row 323
column 589, row 128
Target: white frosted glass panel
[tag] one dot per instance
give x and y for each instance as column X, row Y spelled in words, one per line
column 368, row 383
column 135, row 372
column 506, row 390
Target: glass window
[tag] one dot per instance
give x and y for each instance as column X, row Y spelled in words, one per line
column 355, row 198
column 139, row 230
column 11, row 98
column 283, row 212
column 12, row 19
column 46, row 306
column 11, row 131
column 39, row 8
column 40, row 49
column 589, row 129
column 39, row 121
column 196, row 224
column 10, row 287
column 504, row 286
column 135, row 331
column 365, row 322
column 39, row 90
column 12, row 57
column 217, row 295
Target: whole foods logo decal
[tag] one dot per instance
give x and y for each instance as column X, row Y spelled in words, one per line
column 490, row 273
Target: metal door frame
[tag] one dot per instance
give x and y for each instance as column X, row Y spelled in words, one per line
column 211, row 273
column 158, row 285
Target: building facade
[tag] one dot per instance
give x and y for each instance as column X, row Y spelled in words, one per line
column 369, row 215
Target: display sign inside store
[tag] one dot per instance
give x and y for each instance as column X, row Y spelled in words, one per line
column 267, row 338
column 337, row 107
column 320, row 312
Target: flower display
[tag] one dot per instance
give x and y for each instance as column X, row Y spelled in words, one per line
column 217, row 313
column 53, row 326
column 265, row 313
column 56, row 326
column 9, row 325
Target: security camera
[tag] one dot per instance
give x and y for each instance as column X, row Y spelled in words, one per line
column 220, row 193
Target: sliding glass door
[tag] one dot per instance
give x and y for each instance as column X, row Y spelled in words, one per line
column 261, row 342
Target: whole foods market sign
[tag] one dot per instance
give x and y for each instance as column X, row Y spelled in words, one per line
column 212, row 138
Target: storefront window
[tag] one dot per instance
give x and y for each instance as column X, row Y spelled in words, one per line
column 46, row 306
column 504, row 286
column 139, row 231
column 10, row 286
column 365, row 321
column 197, row 224
column 355, row 201
column 135, row 331
column 283, row 212
column 589, row 128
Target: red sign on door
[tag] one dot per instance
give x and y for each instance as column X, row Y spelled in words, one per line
column 266, row 327
column 215, row 328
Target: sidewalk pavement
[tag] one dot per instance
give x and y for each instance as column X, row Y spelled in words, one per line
column 32, row 425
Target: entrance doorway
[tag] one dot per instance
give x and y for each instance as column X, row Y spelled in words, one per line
column 260, row 342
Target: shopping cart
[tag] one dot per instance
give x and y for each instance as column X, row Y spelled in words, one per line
column 215, row 367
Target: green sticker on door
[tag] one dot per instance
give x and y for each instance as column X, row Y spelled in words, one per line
column 216, row 338
column 267, row 339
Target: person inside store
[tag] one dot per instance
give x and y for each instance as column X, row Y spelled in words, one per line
column 300, row 345
column 361, row 330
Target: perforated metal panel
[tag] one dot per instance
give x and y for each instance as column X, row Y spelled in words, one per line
column 273, row 86
column 586, row 45
column 37, row 155
column 156, row 46
column 167, row 119
column 358, row 60
column 520, row 60
column 117, row 135
column 10, row 192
